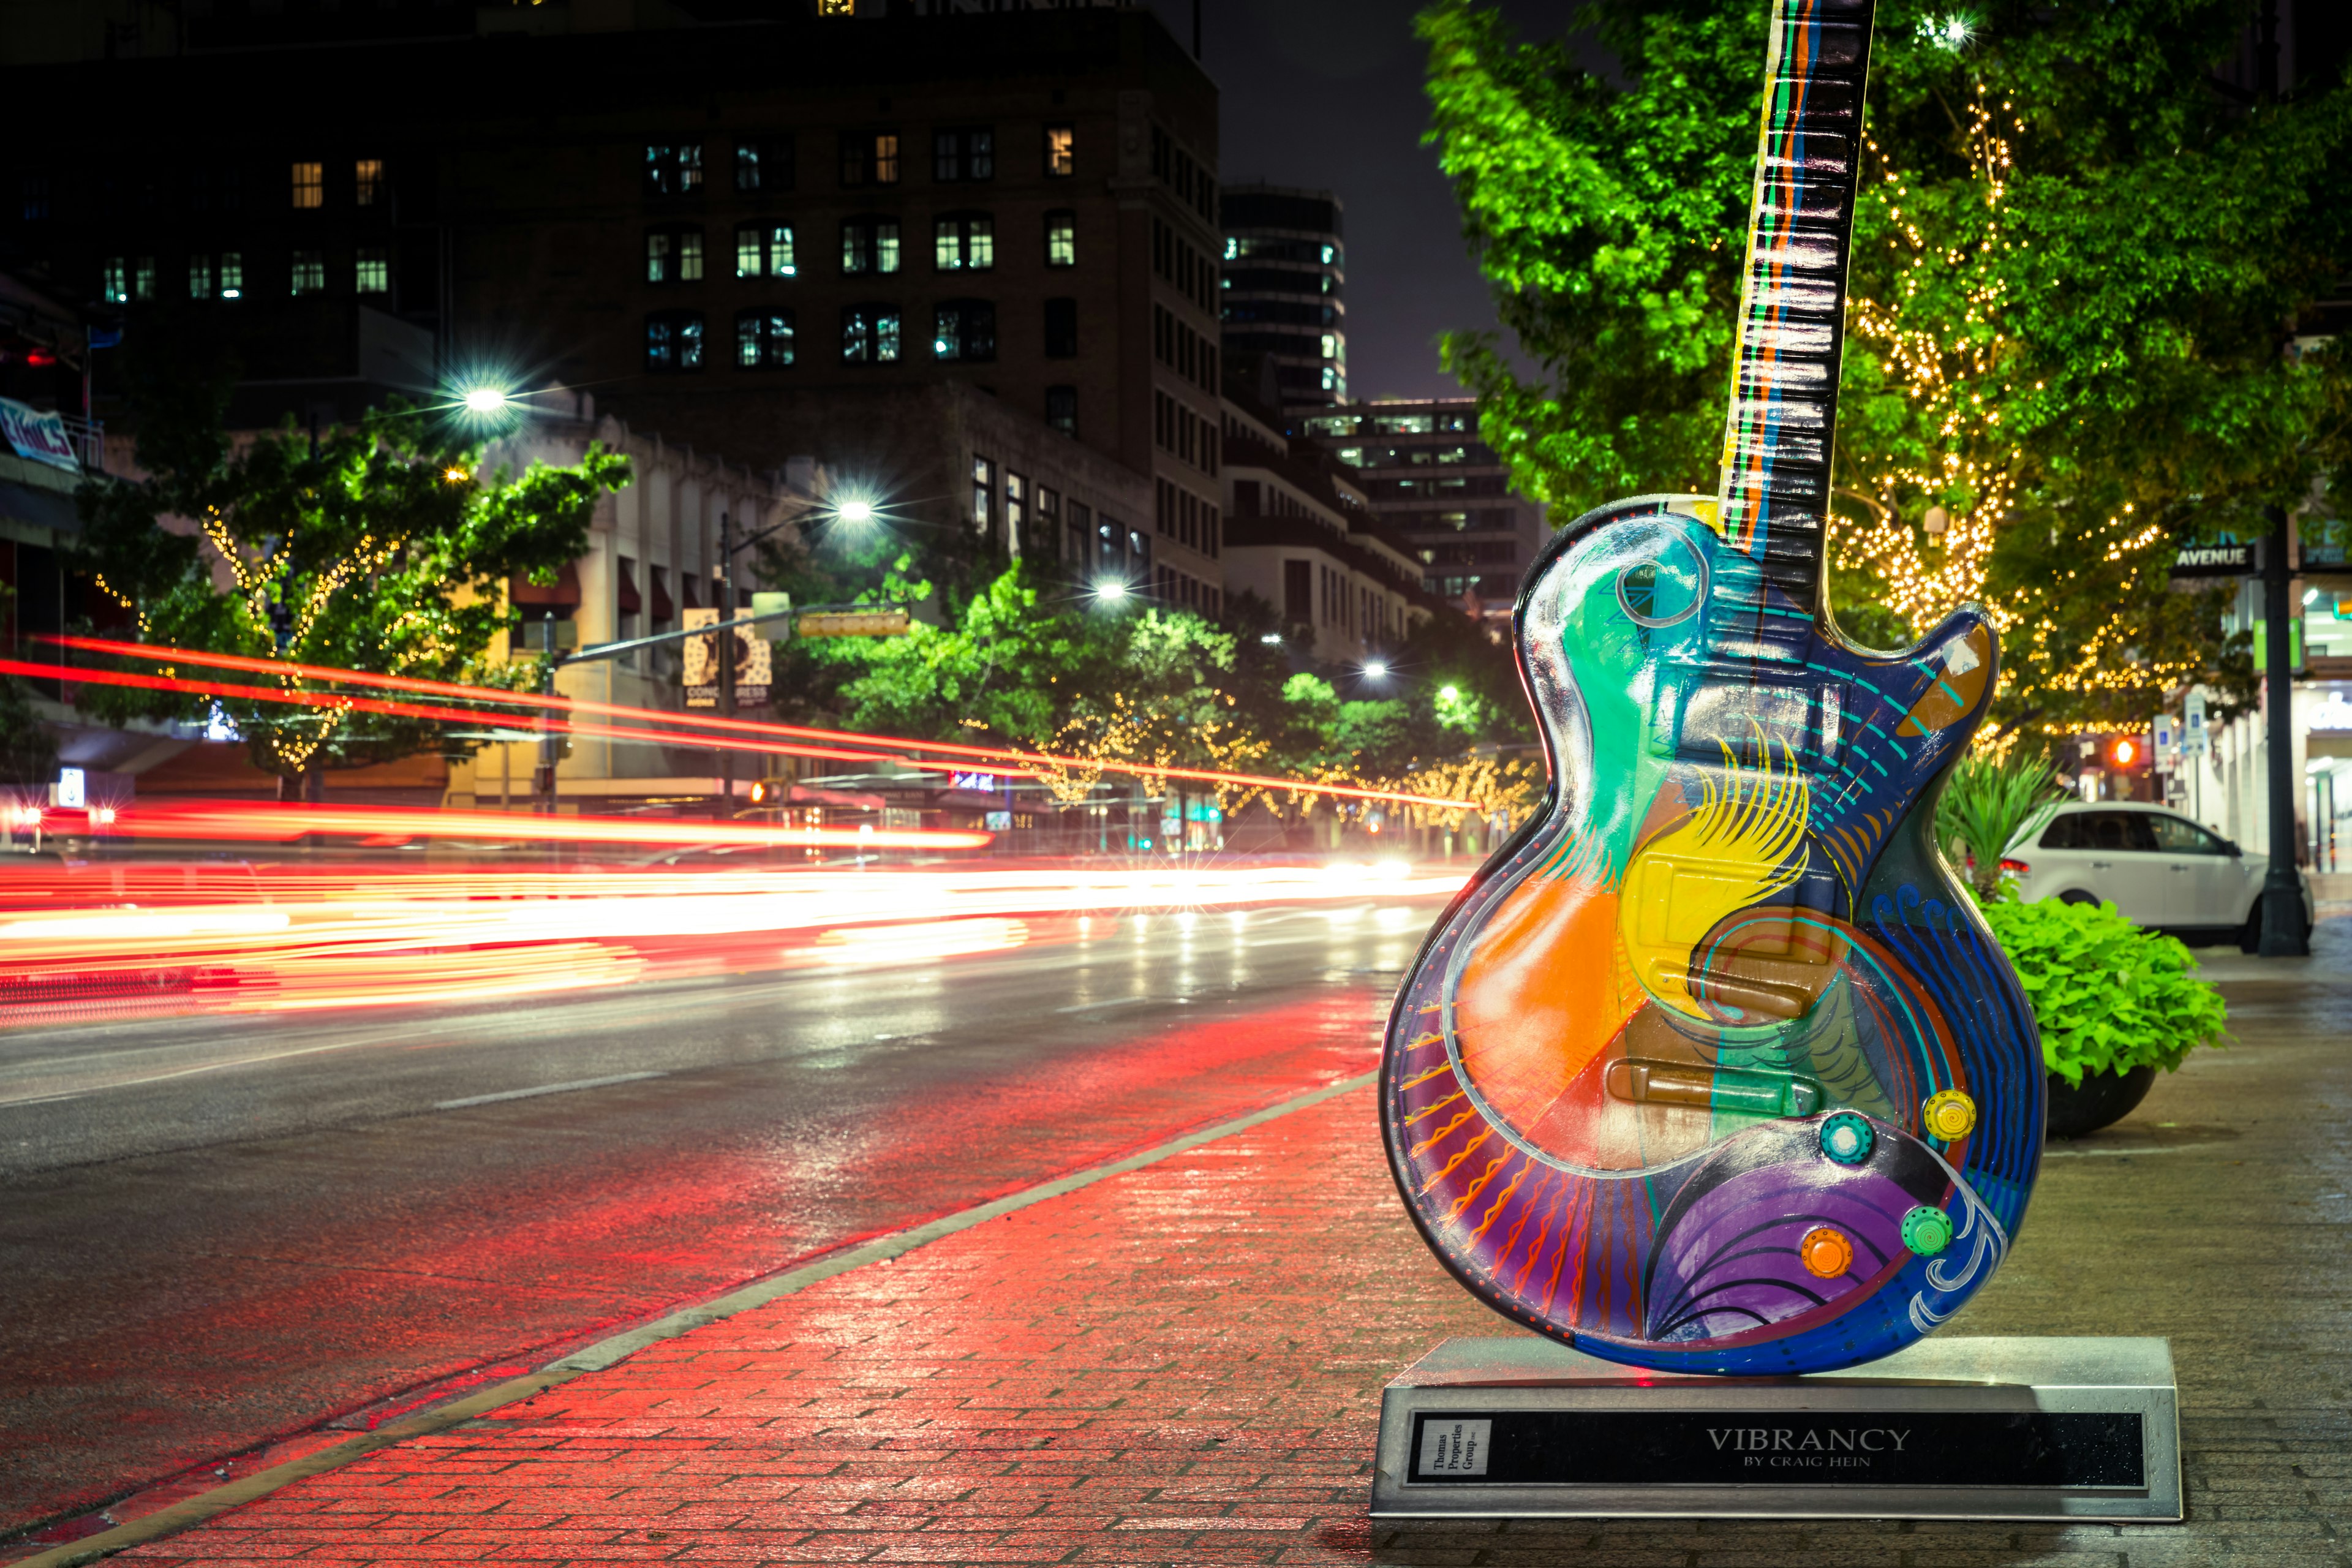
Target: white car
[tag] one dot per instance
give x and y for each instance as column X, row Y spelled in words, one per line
column 2158, row 868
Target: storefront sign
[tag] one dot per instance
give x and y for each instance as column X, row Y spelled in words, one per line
column 37, row 436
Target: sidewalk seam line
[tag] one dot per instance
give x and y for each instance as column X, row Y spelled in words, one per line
column 608, row 1352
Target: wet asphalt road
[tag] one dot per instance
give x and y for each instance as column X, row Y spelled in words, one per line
column 216, row 1231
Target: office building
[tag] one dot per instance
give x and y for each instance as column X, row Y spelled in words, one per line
column 730, row 228
column 1302, row 536
column 1285, row 287
column 1428, row 477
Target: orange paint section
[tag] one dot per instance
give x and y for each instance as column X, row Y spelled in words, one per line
column 1540, row 998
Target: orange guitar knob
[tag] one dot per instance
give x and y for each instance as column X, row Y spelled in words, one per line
column 1825, row 1252
column 1948, row 1115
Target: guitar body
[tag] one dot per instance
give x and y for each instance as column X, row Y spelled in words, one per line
column 1713, row 1068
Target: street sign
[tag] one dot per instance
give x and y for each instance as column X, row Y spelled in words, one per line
column 858, row 623
column 2193, row 740
column 776, row 605
column 2167, row 741
column 754, row 666
column 2203, row 566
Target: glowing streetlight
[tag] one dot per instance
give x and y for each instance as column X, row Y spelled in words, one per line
column 1111, row 590
column 854, row 512
column 484, row 401
column 1449, row 692
column 1377, row 669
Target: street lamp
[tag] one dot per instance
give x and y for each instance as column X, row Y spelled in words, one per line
column 485, row 401
column 1110, row 590
column 1376, row 670
column 854, row 512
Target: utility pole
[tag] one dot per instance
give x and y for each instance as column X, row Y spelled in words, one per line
column 2281, row 889
column 725, row 644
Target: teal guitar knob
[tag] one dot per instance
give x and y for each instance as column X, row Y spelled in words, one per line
column 1847, row 1138
column 1927, row 1231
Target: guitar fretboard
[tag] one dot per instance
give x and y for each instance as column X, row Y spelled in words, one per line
column 1774, row 495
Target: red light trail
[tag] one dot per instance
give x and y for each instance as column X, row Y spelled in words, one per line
column 924, row 751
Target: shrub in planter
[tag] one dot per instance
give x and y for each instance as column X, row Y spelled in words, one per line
column 2115, row 1004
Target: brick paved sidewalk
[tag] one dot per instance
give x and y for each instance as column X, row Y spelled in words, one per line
column 1182, row 1367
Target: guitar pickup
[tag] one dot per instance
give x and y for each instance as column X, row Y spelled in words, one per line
column 1747, row 1090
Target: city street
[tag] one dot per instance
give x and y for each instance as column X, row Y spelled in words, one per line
column 1181, row 1364
column 221, row 1230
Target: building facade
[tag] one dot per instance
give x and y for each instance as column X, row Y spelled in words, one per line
column 1285, row 287
column 713, row 225
column 1447, row 494
column 1300, row 535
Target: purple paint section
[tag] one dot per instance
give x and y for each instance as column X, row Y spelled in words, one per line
column 1730, row 1266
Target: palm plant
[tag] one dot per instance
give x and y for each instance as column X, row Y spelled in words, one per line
column 1984, row 805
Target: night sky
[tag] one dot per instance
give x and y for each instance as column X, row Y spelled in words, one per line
column 1327, row 94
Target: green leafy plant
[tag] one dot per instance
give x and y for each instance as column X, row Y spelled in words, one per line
column 1984, row 803
column 2109, row 997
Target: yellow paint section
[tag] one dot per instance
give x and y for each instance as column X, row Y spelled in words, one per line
column 1543, row 992
column 1731, row 852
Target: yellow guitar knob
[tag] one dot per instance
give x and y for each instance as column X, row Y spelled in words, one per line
column 1948, row 1115
column 1825, row 1253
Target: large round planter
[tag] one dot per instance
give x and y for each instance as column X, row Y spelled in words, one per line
column 2104, row 1099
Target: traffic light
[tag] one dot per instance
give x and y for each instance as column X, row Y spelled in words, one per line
column 771, row 791
column 2127, row 753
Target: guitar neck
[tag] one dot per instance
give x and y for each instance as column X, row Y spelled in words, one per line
column 1774, row 494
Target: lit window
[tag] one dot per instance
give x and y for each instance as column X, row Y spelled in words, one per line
column 115, row 280
column 143, row 278
column 869, row 158
column 983, row 491
column 765, row 165
column 1061, row 329
column 963, row 154
column 763, row 340
column 309, row 272
column 966, row 242
column 674, row 256
column 309, row 184
column 1016, row 505
column 1331, row 345
column 367, row 181
column 1062, row 409
column 673, row 168
column 200, row 277
column 964, row 330
column 374, row 273
column 1061, row 150
column 751, row 250
column 232, row 274
column 870, row 334
column 1061, row 239
column 869, row 245
column 673, row 342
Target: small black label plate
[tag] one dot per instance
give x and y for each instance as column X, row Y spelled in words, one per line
column 1745, row 1448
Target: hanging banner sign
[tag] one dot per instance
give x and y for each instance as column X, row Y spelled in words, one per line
column 754, row 664
column 37, row 436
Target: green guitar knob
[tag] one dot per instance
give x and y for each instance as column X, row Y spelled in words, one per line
column 1927, row 1231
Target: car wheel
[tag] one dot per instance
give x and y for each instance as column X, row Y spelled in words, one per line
column 2076, row 896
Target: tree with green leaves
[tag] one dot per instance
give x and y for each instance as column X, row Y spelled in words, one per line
column 379, row 546
column 2078, row 261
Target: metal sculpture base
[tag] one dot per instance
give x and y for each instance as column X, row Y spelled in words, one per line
column 1946, row 1429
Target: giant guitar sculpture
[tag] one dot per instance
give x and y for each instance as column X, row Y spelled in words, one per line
column 1713, row 1067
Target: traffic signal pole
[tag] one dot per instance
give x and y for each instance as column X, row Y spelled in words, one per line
column 2281, row 889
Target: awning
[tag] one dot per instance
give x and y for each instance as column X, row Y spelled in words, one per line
column 39, row 507
column 663, row 608
column 564, row 593
column 631, row 602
